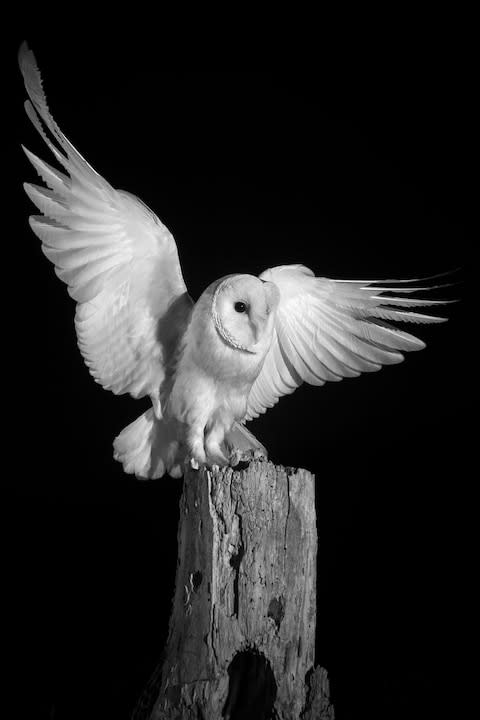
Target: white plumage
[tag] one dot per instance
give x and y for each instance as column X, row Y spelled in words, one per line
column 211, row 366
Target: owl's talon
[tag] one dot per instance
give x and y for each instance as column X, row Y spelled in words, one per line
column 234, row 458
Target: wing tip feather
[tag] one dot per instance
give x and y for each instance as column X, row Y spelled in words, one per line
column 25, row 54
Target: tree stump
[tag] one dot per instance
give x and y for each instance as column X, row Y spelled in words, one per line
column 242, row 631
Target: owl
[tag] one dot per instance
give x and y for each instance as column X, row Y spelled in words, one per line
column 209, row 366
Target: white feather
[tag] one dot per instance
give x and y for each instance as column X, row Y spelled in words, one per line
column 119, row 261
column 329, row 329
column 139, row 333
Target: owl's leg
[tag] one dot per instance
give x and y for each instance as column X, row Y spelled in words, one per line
column 213, row 445
column 195, row 446
column 175, row 459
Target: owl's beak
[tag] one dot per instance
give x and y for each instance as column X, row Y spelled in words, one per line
column 255, row 330
column 258, row 324
column 258, row 320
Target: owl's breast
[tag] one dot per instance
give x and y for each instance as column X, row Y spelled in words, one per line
column 211, row 383
column 211, row 378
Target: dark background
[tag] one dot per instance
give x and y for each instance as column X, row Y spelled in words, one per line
column 356, row 166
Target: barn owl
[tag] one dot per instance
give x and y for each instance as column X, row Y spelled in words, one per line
column 208, row 367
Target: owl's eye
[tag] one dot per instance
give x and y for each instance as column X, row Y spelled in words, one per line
column 240, row 307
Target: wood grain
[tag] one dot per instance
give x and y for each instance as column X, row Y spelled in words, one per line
column 242, row 631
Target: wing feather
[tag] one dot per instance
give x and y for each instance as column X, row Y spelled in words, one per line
column 119, row 261
column 326, row 330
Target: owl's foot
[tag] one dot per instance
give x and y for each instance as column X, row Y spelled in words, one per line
column 242, row 446
column 197, row 453
column 215, row 456
column 212, row 462
column 235, row 457
column 214, row 446
column 246, row 456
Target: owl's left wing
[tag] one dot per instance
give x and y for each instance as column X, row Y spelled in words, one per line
column 119, row 261
column 330, row 329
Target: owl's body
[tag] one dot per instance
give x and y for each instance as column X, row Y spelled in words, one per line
column 207, row 384
column 208, row 367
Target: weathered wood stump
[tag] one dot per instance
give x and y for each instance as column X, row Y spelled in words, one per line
column 242, row 630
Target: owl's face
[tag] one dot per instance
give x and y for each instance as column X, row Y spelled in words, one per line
column 243, row 310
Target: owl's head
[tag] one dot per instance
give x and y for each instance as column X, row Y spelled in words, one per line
column 243, row 309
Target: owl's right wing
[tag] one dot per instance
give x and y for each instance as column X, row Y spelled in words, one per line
column 119, row 261
column 326, row 330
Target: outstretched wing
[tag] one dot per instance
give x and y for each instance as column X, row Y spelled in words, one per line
column 119, row 261
column 331, row 329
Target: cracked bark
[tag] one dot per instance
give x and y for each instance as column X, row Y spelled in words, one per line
column 242, row 630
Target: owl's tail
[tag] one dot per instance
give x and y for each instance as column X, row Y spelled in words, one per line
column 148, row 448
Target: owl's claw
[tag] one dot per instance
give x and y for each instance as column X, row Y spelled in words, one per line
column 235, row 457
column 238, row 456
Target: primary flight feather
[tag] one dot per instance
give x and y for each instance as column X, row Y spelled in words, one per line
column 210, row 366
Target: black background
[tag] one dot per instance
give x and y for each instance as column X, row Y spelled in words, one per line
column 357, row 167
